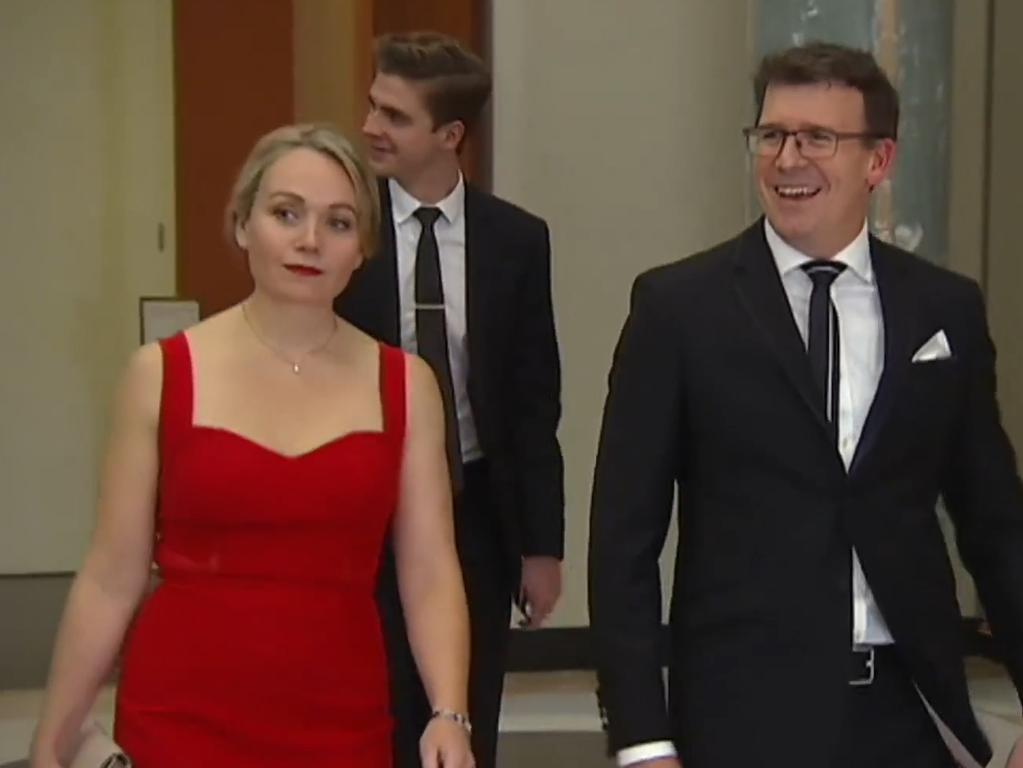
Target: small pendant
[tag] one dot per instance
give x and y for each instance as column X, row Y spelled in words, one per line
column 295, row 369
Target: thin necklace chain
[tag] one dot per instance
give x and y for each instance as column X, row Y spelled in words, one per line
column 295, row 366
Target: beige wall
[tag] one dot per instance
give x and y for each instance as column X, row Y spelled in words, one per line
column 987, row 166
column 619, row 123
column 967, row 189
column 967, row 139
column 1005, row 252
column 86, row 147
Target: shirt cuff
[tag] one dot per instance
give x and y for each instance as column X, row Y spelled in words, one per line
column 652, row 750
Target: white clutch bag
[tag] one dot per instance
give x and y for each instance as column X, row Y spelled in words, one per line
column 96, row 749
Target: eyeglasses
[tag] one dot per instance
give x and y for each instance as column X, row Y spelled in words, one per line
column 811, row 143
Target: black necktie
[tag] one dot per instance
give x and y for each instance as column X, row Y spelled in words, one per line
column 432, row 333
column 822, row 341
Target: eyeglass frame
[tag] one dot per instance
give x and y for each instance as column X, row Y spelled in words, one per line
column 839, row 136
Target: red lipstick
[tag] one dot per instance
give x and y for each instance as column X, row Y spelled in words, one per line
column 300, row 269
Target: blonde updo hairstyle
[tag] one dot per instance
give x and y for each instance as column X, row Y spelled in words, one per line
column 319, row 137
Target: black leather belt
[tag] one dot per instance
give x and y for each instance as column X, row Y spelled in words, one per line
column 863, row 662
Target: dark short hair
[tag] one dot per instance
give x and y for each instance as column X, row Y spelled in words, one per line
column 457, row 81
column 819, row 62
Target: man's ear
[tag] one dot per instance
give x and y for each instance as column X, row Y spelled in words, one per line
column 882, row 161
column 452, row 134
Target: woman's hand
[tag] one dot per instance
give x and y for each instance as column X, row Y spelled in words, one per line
column 445, row 744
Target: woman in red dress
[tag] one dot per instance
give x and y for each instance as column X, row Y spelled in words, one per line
column 260, row 459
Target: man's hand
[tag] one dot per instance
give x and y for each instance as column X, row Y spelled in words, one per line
column 540, row 588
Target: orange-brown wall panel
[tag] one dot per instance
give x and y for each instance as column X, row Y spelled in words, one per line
column 233, row 70
column 460, row 18
column 238, row 75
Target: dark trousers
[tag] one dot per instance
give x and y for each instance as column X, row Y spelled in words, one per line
column 886, row 724
column 488, row 591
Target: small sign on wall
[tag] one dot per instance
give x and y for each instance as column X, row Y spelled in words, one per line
column 164, row 316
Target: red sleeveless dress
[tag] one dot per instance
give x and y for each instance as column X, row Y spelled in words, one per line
column 262, row 646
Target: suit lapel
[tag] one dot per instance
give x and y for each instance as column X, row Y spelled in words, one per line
column 763, row 296
column 386, row 272
column 476, row 274
column 897, row 310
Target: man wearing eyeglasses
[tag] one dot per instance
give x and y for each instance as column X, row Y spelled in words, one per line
column 812, row 392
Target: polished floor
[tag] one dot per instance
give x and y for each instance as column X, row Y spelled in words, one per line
column 551, row 719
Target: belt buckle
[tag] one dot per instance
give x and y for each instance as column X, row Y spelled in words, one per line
column 871, row 667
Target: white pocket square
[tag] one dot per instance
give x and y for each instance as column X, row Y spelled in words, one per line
column 935, row 348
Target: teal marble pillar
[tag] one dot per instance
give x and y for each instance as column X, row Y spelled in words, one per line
column 912, row 39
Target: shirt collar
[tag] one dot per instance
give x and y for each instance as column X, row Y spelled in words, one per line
column 856, row 255
column 403, row 204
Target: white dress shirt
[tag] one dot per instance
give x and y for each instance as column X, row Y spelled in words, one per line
column 861, row 349
column 450, row 232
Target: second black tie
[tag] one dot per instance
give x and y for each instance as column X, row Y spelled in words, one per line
column 432, row 333
column 823, row 337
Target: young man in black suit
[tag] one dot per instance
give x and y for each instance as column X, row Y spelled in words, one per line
column 463, row 279
column 812, row 391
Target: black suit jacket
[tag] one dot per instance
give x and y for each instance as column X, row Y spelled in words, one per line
column 514, row 370
column 711, row 388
